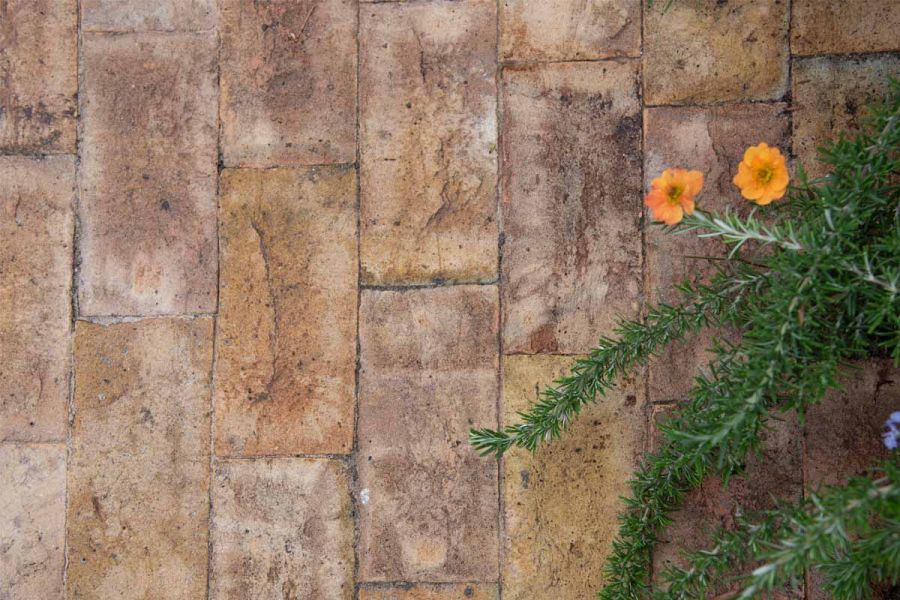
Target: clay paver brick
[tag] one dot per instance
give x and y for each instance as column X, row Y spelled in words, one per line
column 703, row 52
column 571, row 204
column 281, row 528
column 286, row 351
column 561, row 504
column 844, row 27
column 428, row 503
column 138, row 486
column 830, row 95
column 288, row 82
column 569, row 29
column 38, row 46
column 428, row 132
column 36, row 232
column 148, row 174
column 32, row 520
column 711, row 140
column 430, row 591
column 148, row 15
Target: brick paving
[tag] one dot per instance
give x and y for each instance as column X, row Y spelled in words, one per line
column 264, row 263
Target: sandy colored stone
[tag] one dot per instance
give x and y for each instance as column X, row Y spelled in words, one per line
column 139, row 466
column 569, row 29
column 148, row 15
column 430, row 591
column 36, row 229
column 571, row 203
column 288, row 82
column 32, row 521
column 830, row 95
column 282, row 529
column 711, row 140
column 561, row 503
column 427, row 501
column 148, row 174
column 846, row 26
column 39, row 75
column 775, row 475
column 286, row 351
column 702, row 52
column 428, row 132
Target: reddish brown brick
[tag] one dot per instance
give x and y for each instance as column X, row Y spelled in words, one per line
column 571, row 203
column 561, row 503
column 430, row 591
column 148, row 175
column 701, row 52
column 36, row 229
column 281, row 528
column 288, row 82
column 847, row 26
column 138, row 479
column 830, row 96
column 569, row 29
column 712, row 141
column 148, row 15
column 38, row 46
column 427, row 501
column 286, row 351
column 428, row 140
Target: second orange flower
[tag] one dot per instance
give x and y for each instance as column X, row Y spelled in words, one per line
column 672, row 194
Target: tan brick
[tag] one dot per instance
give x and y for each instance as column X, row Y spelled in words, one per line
column 288, row 82
column 571, row 203
column 561, row 503
column 775, row 475
column 36, row 228
column 282, row 528
column 32, row 521
column 38, row 46
column 428, row 503
column 147, row 15
column 286, row 351
column 712, row 141
column 830, row 96
column 698, row 52
column 148, row 174
column 428, row 132
column 847, row 26
column 139, row 468
column 433, row 591
column 569, row 29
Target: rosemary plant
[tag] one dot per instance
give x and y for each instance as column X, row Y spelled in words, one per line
column 823, row 292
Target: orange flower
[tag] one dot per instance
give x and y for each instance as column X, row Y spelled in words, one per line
column 672, row 194
column 762, row 176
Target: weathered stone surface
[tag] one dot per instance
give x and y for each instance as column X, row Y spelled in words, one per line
column 561, row 504
column 36, row 229
column 148, row 15
column 38, row 46
column 571, row 203
column 712, row 141
column 428, row 132
column 281, row 528
column 288, row 82
column 286, row 351
column 139, row 465
column 148, row 174
column 698, row 52
column 430, row 591
column 842, row 27
column 775, row 475
column 427, row 502
column 569, row 30
column 830, row 95
column 32, row 521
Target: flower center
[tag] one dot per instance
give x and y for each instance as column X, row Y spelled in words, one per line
column 674, row 193
column 765, row 174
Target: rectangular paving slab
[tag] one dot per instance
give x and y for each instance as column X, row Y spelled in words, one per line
column 286, row 349
column 148, row 15
column 844, row 27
